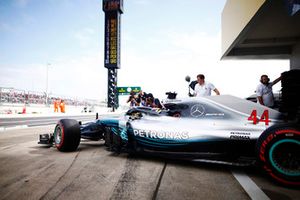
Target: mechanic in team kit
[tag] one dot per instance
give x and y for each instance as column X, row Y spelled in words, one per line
column 203, row 88
column 264, row 91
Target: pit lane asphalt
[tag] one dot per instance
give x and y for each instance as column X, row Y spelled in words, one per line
column 32, row 171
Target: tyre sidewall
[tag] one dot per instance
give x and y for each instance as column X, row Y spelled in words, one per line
column 70, row 135
column 267, row 140
column 60, row 144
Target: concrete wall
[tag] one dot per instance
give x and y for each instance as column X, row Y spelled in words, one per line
column 235, row 16
column 295, row 57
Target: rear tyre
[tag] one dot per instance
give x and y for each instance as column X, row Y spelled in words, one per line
column 278, row 150
column 67, row 135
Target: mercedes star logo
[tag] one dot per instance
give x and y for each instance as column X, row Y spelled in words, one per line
column 197, row 110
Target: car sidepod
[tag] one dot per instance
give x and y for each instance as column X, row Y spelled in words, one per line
column 115, row 133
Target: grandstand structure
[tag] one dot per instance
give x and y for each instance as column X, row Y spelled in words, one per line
column 18, row 96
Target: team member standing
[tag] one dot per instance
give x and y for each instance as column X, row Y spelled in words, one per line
column 264, row 91
column 55, row 102
column 62, row 106
column 203, row 88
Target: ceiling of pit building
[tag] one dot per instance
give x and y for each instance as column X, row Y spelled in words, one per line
column 271, row 33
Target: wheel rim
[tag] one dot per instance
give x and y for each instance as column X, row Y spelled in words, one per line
column 285, row 157
column 58, row 135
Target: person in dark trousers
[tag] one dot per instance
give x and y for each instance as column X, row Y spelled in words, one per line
column 264, row 91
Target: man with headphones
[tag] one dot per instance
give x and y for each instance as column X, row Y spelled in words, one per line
column 264, row 91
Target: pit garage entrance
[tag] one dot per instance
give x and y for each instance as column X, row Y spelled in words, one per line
column 266, row 29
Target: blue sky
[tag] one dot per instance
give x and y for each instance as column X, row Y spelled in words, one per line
column 162, row 41
column 41, row 31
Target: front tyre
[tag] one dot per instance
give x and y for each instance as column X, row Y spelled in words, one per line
column 67, row 135
column 278, row 151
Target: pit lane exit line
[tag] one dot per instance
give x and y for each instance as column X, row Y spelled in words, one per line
column 12, row 127
column 249, row 186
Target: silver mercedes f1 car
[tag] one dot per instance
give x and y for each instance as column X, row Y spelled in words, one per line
column 216, row 129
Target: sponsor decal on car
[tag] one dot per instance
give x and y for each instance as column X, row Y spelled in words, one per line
column 214, row 114
column 161, row 134
column 264, row 117
column 239, row 135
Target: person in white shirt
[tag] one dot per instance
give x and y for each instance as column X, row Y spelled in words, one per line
column 203, row 88
column 264, row 91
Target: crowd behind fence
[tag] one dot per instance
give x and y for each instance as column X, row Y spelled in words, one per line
column 17, row 96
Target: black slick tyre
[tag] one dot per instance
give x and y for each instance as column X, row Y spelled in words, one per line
column 67, row 135
column 278, row 150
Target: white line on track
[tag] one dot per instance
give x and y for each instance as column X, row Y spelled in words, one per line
column 249, row 186
column 7, row 123
column 12, row 127
column 31, row 120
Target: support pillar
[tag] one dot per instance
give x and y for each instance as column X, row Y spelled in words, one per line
column 113, row 10
column 112, row 95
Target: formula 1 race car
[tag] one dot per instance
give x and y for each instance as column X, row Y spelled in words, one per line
column 216, row 129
